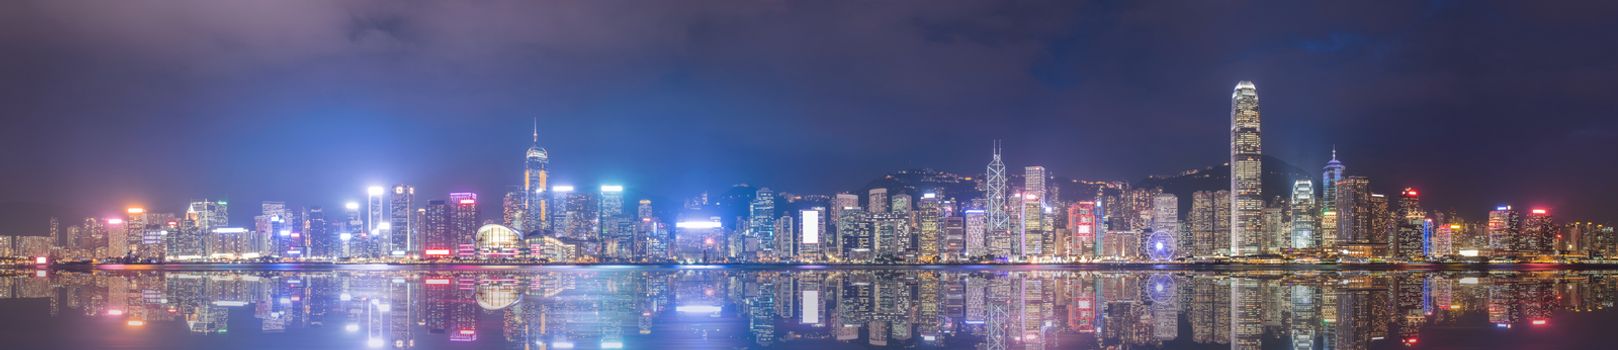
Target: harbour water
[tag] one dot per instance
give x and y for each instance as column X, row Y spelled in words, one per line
column 608, row 307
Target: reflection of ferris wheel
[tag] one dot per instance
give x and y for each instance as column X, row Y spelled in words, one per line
column 1161, row 288
column 1161, row 245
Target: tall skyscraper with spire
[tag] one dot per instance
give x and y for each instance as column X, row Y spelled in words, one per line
column 1329, row 211
column 534, row 175
column 1246, row 201
column 999, row 229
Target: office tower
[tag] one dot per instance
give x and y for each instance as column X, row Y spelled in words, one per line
column 1410, row 236
column 401, row 233
column 512, row 210
column 272, row 219
column 1081, row 223
column 1030, row 227
column 563, row 220
column 464, row 220
column 318, row 233
column 351, row 236
column 892, row 231
column 1163, row 243
column 1382, row 225
column 1247, row 203
column 929, row 221
column 858, row 235
column 534, row 214
column 1201, row 220
column 201, row 217
column 977, row 228
column 208, row 215
column 1505, row 225
column 1538, row 233
column 1222, row 223
column 1304, row 225
column 954, row 236
column 1443, row 238
column 900, row 203
column 1034, row 181
column 438, row 242
column 1329, row 213
column 877, row 200
column 1355, row 225
column 761, row 222
column 811, row 223
column 611, row 236
column 998, row 234
column 375, row 209
column 840, row 201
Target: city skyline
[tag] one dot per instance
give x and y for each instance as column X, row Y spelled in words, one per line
column 372, row 100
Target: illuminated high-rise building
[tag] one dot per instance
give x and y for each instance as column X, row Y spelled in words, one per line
column 612, row 235
column 318, row 233
column 998, row 233
column 401, row 233
column 1201, row 219
column 464, row 220
column 1247, row 202
column 1034, row 181
column 1304, row 224
column 1356, row 224
column 1539, row 233
column 877, row 200
column 811, row 229
column 375, row 209
column 1504, row 227
column 437, row 240
column 535, row 175
column 1410, row 234
column 1329, row 213
column 761, row 222
column 929, row 222
column 1081, row 224
column 977, row 227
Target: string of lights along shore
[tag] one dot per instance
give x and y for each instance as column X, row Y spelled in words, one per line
column 1252, row 209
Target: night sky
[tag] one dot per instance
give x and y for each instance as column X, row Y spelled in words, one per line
column 108, row 104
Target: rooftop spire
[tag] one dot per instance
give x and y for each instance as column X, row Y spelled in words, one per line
column 1334, row 151
column 536, row 131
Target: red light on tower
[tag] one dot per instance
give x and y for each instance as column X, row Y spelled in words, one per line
column 1410, row 192
column 1539, row 211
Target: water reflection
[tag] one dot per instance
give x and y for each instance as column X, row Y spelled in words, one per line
column 722, row 308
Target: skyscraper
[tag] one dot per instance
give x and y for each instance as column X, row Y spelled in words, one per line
column 374, row 209
column 402, row 228
column 1163, row 242
column 1246, row 201
column 1034, row 181
column 1081, row 223
column 1410, row 234
column 999, row 229
column 435, row 224
column 1538, row 233
column 1355, row 221
column 1504, row 226
column 877, row 200
column 535, row 174
column 463, row 223
column 1304, row 225
column 1329, row 213
column 761, row 222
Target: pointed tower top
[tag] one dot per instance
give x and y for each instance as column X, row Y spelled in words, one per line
column 536, row 130
column 1334, row 151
